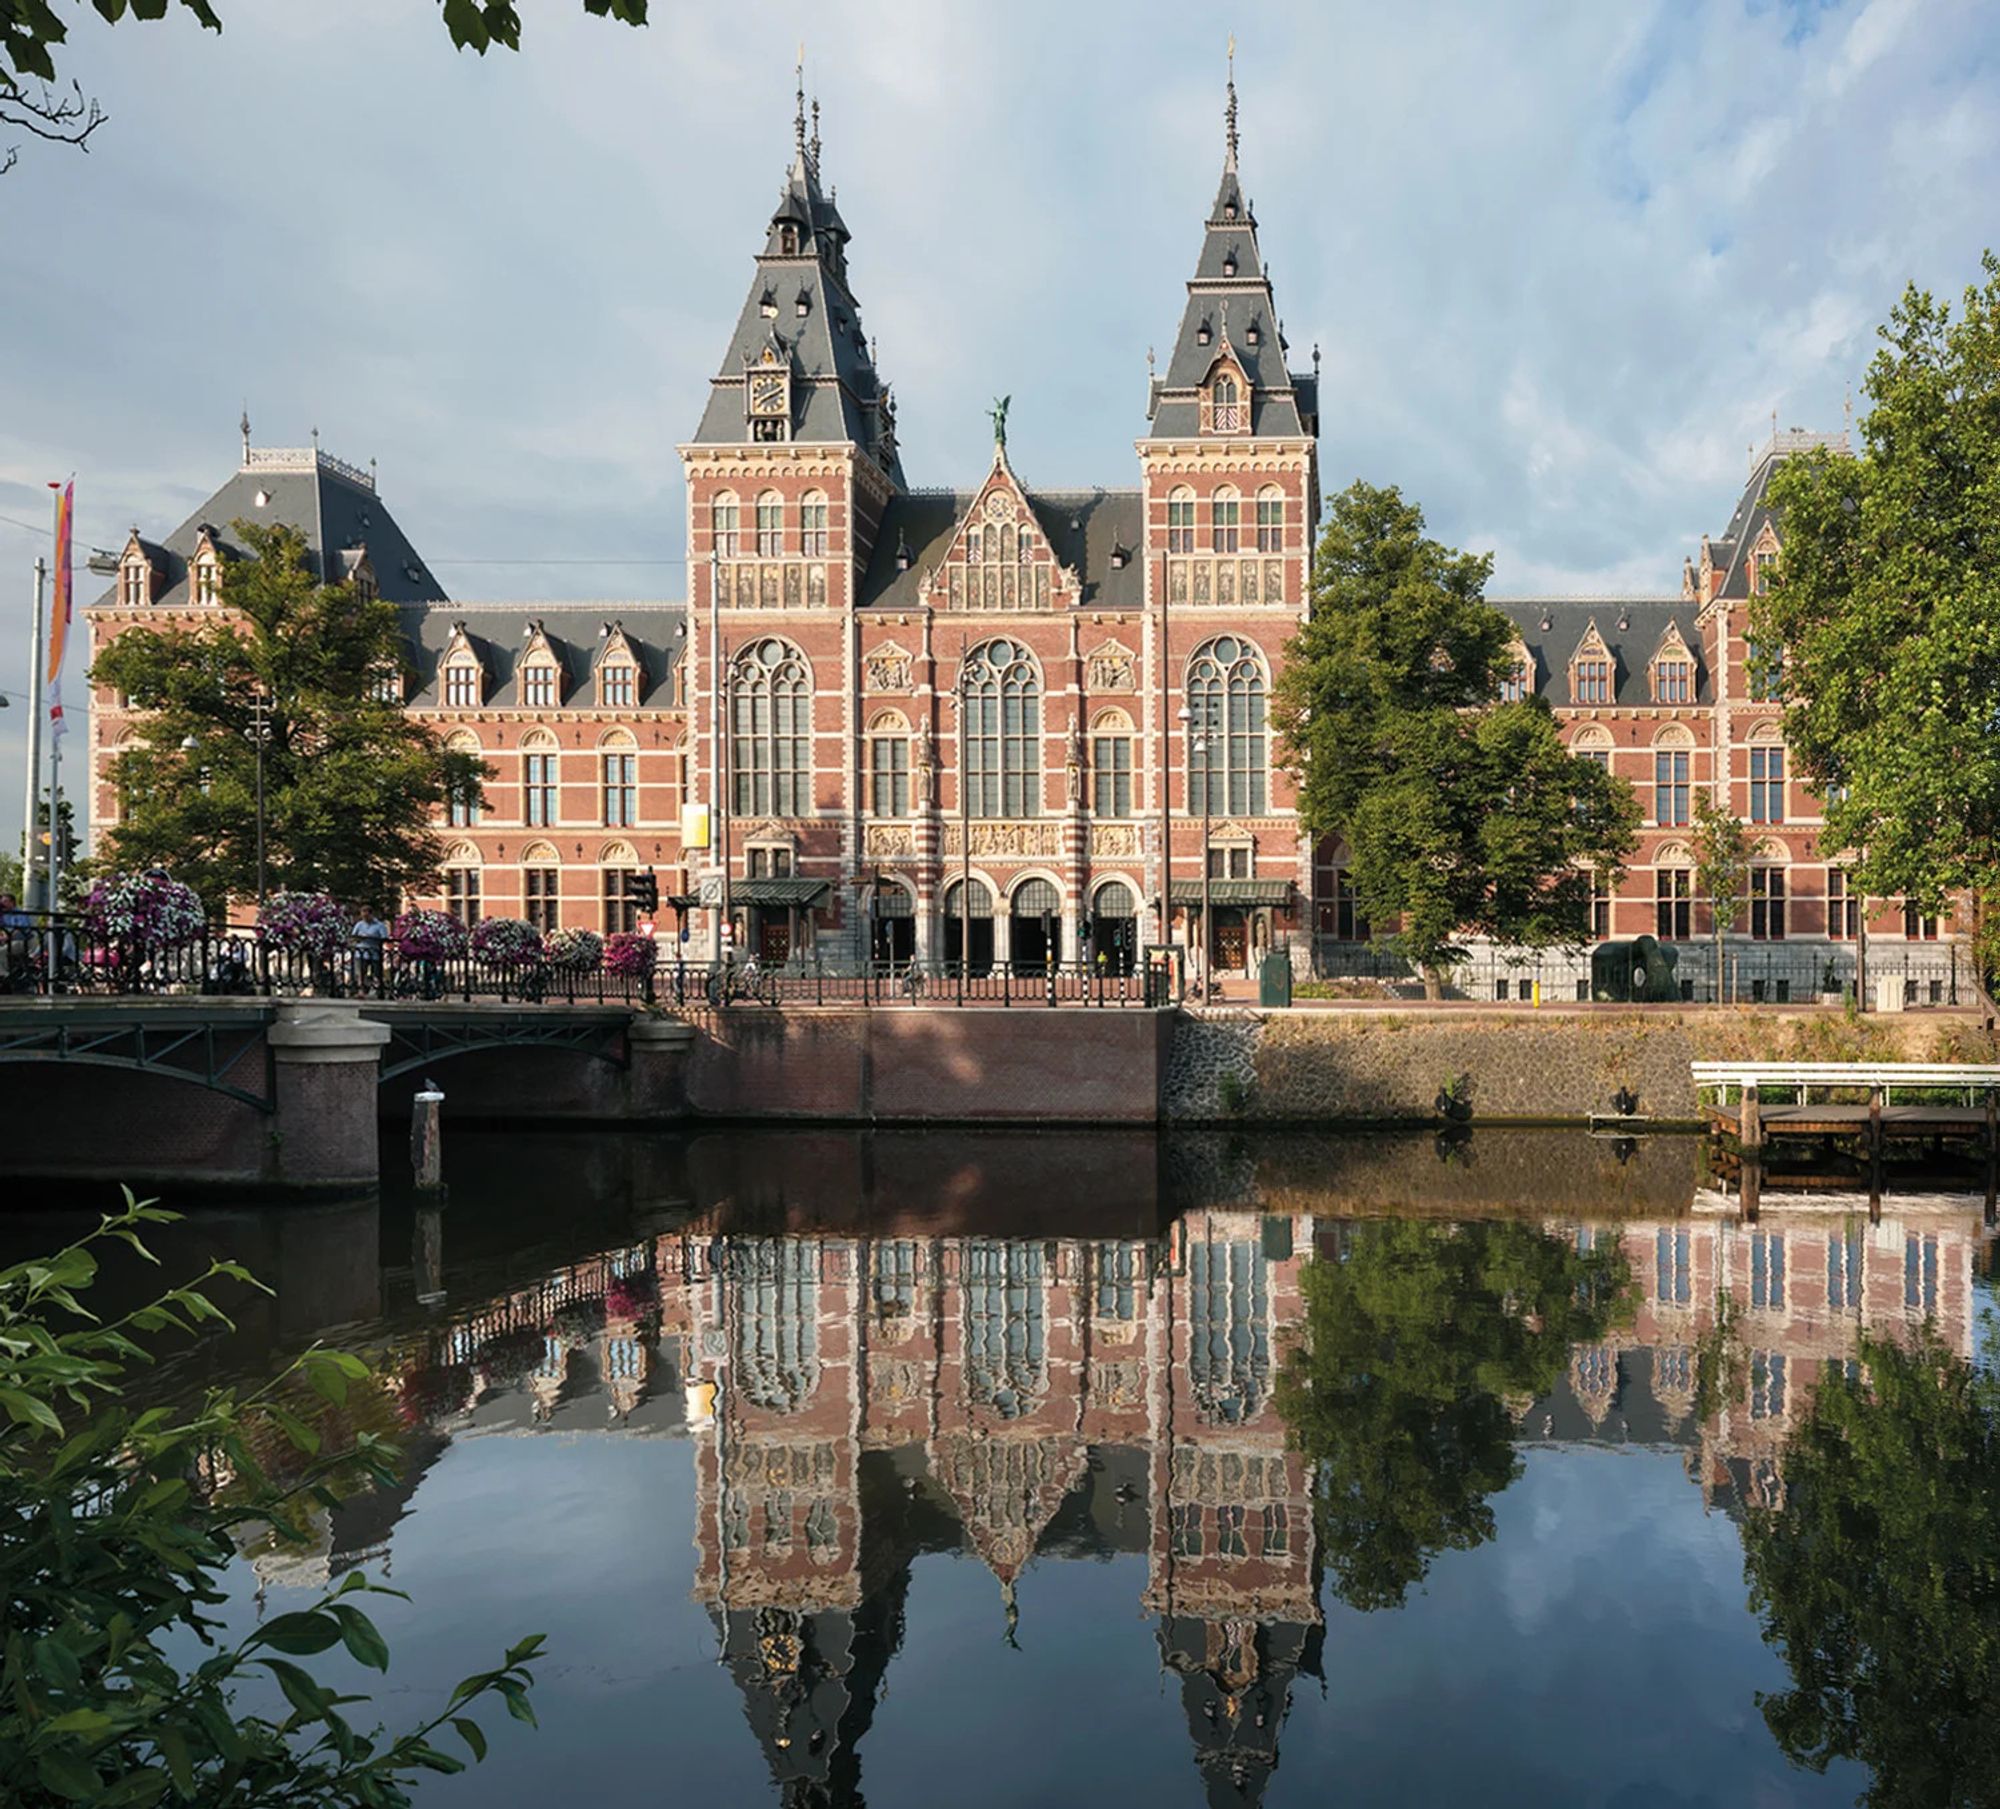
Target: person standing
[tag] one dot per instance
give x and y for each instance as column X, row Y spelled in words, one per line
column 371, row 936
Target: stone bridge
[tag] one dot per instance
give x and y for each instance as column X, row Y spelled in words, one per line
column 289, row 1094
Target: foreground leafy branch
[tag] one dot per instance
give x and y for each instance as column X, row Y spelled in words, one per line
column 116, row 1528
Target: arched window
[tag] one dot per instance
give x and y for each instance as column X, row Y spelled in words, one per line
column 619, row 771
column 1673, row 893
column 889, row 765
column 462, row 681
column 1111, row 765
column 1226, row 404
column 1226, row 733
column 541, row 886
column 1270, row 519
column 1001, row 728
column 776, row 1281
column 726, row 522
column 1593, row 742
column 540, row 790
column 980, row 900
column 462, row 802
column 461, row 883
column 812, row 524
column 1767, row 774
column 1673, row 760
column 1180, row 521
column 770, row 750
column 770, row 525
column 1037, row 898
column 1226, row 522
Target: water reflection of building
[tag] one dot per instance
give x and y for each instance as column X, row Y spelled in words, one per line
column 856, row 1402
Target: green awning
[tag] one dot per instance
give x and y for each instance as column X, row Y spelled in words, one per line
column 797, row 893
column 1235, row 893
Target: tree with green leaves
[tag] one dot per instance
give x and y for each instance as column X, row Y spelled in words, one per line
column 120, row 1523
column 32, row 30
column 1888, row 609
column 1721, row 868
column 352, row 781
column 1462, row 815
column 1878, row 1578
column 1398, row 1392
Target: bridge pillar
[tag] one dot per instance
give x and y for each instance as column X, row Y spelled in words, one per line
column 325, row 1055
column 657, row 1078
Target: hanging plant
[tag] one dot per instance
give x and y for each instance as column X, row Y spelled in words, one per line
column 628, row 955
column 507, row 942
column 630, row 1297
column 148, row 910
column 576, row 951
column 427, row 936
column 309, row 923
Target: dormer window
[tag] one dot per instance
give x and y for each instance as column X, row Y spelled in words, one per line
column 1252, row 333
column 1229, row 209
column 208, row 579
column 1229, row 262
column 365, row 590
column 1225, row 398
column 538, row 684
column 387, row 685
column 618, row 685
column 788, row 240
column 135, row 587
column 803, row 306
column 1515, row 678
column 767, row 305
column 1767, row 571
column 1593, row 679
column 1203, row 334
column 461, row 682
column 1673, row 680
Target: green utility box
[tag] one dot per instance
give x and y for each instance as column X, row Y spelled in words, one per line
column 1274, row 980
column 1640, row 971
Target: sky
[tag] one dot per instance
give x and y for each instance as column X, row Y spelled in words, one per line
column 1564, row 262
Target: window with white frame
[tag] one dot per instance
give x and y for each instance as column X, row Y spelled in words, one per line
column 725, row 518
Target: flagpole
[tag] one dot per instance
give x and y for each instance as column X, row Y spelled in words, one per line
column 31, row 892
column 61, row 608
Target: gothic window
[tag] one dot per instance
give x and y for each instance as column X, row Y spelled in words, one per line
column 725, row 520
column 1226, row 734
column 1000, row 572
column 1001, row 720
column 776, row 1284
column 889, row 767
column 1270, row 521
column 1111, row 765
column 1226, row 404
column 770, row 753
column 770, row 525
column 1673, row 897
column 1006, row 1356
column 540, row 798
column 1767, row 904
column 1226, row 521
column 1180, row 524
column 1229, row 1352
column 621, row 781
column 812, row 524
column 1767, row 784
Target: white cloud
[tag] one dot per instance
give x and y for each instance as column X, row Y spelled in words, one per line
column 1562, row 266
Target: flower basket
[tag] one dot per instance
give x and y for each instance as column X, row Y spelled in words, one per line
column 630, row 1297
column 628, row 956
column 507, row 943
column 307, row 923
column 427, row 936
column 145, row 911
column 576, row 951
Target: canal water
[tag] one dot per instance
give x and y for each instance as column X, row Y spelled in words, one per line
column 1018, row 1470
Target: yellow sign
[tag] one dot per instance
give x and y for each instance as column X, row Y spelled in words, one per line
column 694, row 825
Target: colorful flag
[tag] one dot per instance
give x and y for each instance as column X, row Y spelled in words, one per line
column 59, row 616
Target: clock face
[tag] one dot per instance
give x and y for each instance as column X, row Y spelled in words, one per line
column 767, row 395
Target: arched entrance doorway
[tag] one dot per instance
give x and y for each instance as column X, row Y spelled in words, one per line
column 1034, row 926
column 979, row 960
column 1114, row 928
column 892, row 938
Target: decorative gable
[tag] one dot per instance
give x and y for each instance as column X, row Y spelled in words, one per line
column 1593, row 671
column 205, row 567
column 138, row 574
column 538, row 672
column 998, row 558
column 1225, row 393
column 1112, row 667
column 1517, row 673
column 886, row 668
column 461, row 672
column 619, row 670
column 1673, row 668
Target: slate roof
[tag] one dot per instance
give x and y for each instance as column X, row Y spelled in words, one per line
column 1232, row 307
column 837, row 394
column 500, row 632
column 1631, row 627
column 1731, row 549
column 1083, row 528
column 328, row 501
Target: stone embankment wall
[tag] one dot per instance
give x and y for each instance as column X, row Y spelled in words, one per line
column 1369, row 1066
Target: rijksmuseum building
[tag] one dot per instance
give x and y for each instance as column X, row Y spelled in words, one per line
column 901, row 716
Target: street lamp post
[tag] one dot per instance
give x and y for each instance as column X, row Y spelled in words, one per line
column 961, row 698
column 260, row 732
column 1199, row 746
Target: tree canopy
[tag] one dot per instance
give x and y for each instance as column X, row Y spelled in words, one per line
column 1399, row 1391
column 351, row 779
column 1461, row 814
column 1878, row 1578
column 1888, row 608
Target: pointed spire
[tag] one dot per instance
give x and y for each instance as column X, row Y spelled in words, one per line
column 799, row 118
column 1229, row 112
column 245, row 425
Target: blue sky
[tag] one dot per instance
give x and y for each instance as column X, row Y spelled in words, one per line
column 1563, row 260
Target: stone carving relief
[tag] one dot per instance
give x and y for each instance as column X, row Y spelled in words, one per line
column 1021, row 840
column 887, row 669
column 889, row 841
column 1112, row 668
column 1113, row 841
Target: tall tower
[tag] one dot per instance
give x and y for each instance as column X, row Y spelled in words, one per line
column 1231, row 496
column 787, row 477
